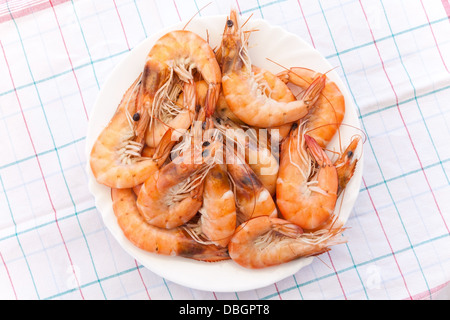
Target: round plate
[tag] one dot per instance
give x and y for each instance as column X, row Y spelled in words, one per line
column 284, row 48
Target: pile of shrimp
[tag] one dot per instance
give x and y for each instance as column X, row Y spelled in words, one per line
column 212, row 158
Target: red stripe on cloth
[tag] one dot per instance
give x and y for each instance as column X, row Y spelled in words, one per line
column 446, row 4
column 337, row 276
column 176, row 8
column 9, row 277
column 41, row 171
column 307, row 26
column 429, row 293
column 432, row 32
column 142, row 279
column 123, row 29
column 238, row 7
column 8, row 12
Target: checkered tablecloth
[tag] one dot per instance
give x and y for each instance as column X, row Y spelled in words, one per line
column 394, row 58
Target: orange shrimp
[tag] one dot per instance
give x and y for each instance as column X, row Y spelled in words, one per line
column 182, row 52
column 174, row 242
column 252, row 198
column 115, row 159
column 326, row 115
column 218, row 213
column 245, row 97
column 264, row 241
column 251, row 146
column 171, row 196
column 272, row 85
column 346, row 164
column 306, row 196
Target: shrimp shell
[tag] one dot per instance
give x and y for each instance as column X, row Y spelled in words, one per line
column 174, row 242
column 266, row 241
column 245, row 97
column 218, row 213
column 305, row 195
column 115, row 158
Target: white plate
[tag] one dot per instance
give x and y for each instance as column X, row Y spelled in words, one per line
column 284, row 48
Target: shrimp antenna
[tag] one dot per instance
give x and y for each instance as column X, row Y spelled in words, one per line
column 196, row 15
column 363, row 134
column 278, row 64
column 246, row 20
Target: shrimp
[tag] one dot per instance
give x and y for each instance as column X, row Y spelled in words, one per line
column 264, row 241
column 172, row 195
column 327, row 114
column 218, row 213
column 174, row 242
column 115, row 158
column 182, row 52
column 252, row 198
column 246, row 98
column 255, row 151
column 346, row 164
column 305, row 195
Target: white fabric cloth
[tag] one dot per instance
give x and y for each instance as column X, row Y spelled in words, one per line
column 393, row 56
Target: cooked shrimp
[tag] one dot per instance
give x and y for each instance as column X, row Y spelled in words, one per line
column 272, row 85
column 183, row 52
column 256, row 152
column 115, row 158
column 246, row 97
column 306, row 196
column 346, row 164
column 218, row 213
column 327, row 114
column 252, row 198
column 172, row 195
column 174, row 242
column 264, row 241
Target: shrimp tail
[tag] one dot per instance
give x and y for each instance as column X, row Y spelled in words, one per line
column 200, row 252
column 164, row 148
